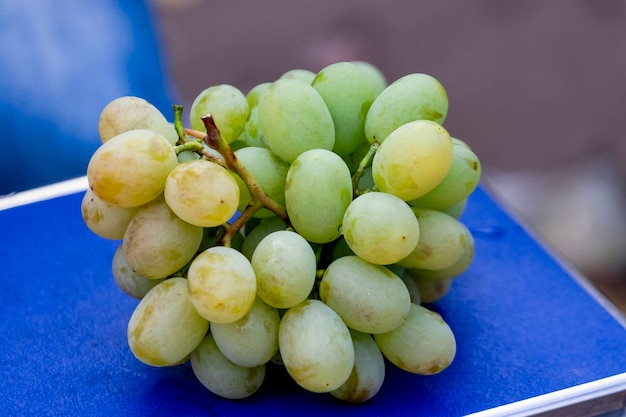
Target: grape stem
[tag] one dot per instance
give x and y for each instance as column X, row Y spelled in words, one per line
column 364, row 163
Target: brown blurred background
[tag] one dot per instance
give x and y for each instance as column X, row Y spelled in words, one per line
column 538, row 89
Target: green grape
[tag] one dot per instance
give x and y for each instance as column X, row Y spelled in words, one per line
column 432, row 290
column 377, row 78
column 299, row 74
column 256, row 92
column 130, row 282
column 258, row 233
column 348, row 92
column 317, row 193
column 411, row 285
column 315, row 346
column 164, row 327
column 456, row 210
column 284, row 264
column 253, row 339
column 157, row 243
column 228, row 106
column 409, row 98
column 221, row 376
column 368, row 373
column 254, row 135
column 424, row 344
column 353, row 159
column 202, row 192
column 294, row 119
column 443, row 240
column 130, row 113
column 185, row 156
column 453, row 270
column 380, row 228
column 269, row 171
column 222, row 284
column 369, row 298
column 105, row 219
column 413, row 159
column 340, row 249
column 130, row 169
column 460, row 181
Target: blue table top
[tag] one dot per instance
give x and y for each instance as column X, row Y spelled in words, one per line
column 524, row 327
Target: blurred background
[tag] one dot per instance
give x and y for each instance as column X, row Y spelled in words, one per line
column 537, row 89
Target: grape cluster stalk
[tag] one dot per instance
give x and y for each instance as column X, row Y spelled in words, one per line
column 309, row 224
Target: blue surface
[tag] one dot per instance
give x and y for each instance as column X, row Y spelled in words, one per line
column 524, row 327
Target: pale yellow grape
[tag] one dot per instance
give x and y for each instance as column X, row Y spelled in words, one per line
column 202, row 192
column 129, row 113
column 221, row 376
column 158, row 243
column 317, row 193
column 222, row 284
column 368, row 297
column 228, row 106
column 424, row 344
column 104, row 219
column 285, row 265
column 253, row 339
column 380, row 228
column 164, row 327
column 128, row 280
column 411, row 97
column 130, row 169
column 315, row 346
column 368, row 374
column 413, row 159
column 443, row 241
column 454, row 270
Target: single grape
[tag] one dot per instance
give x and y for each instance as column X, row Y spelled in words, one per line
column 253, row 339
column 158, row 243
column 412, row 97
column 431, row 290
column 369, row 298
column 222, row 284
column 317, row 193
column 220, row 375
column 164, row 327
column 130, row 169
column 368, row 373
column 315, row 346
column 299, row 74
column 424, row 344
column 380, row 228
column 294, row 118
column 456, row 210
column 129, row 113
column 258, row 233
column 104, row 219
column 129, row 281
column 228, row 106
column 202, row 192
column 284, row 264
column 185, row 156
column 413, row 159
column 377, row 78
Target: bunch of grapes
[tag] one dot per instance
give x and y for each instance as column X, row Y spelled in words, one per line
column 305, row 225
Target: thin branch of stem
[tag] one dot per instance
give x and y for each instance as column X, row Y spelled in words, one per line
column 364, row 163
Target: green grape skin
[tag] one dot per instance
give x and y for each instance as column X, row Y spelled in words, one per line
column 157, row 243
column 460, row 181
column 380, row 228
column 318, row 191
column 228, row 106
column 413, row 159
column 285, row 266
column 456, row 210
column 268, row 170
column 129, row 113
column 377, row 78
column 253, row 339
column 130, row 169
column 222, row 284
column 254, row 135
column 368, row 374
column 104, row 219
column 221, row 376
column 164, row 327
column 443, row 240
column 348, row 285
column 185, row 156
column 411, row 97
column 432, row 290
column 424, row 344
column 294, row 118
column 301, row 74
column 315, row 346
column 202, row 193
column 259, row 232
column 348, row 92
column 127, row 280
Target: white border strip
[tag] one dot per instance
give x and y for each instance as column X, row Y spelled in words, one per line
column 578, row 394
column 46, row 192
